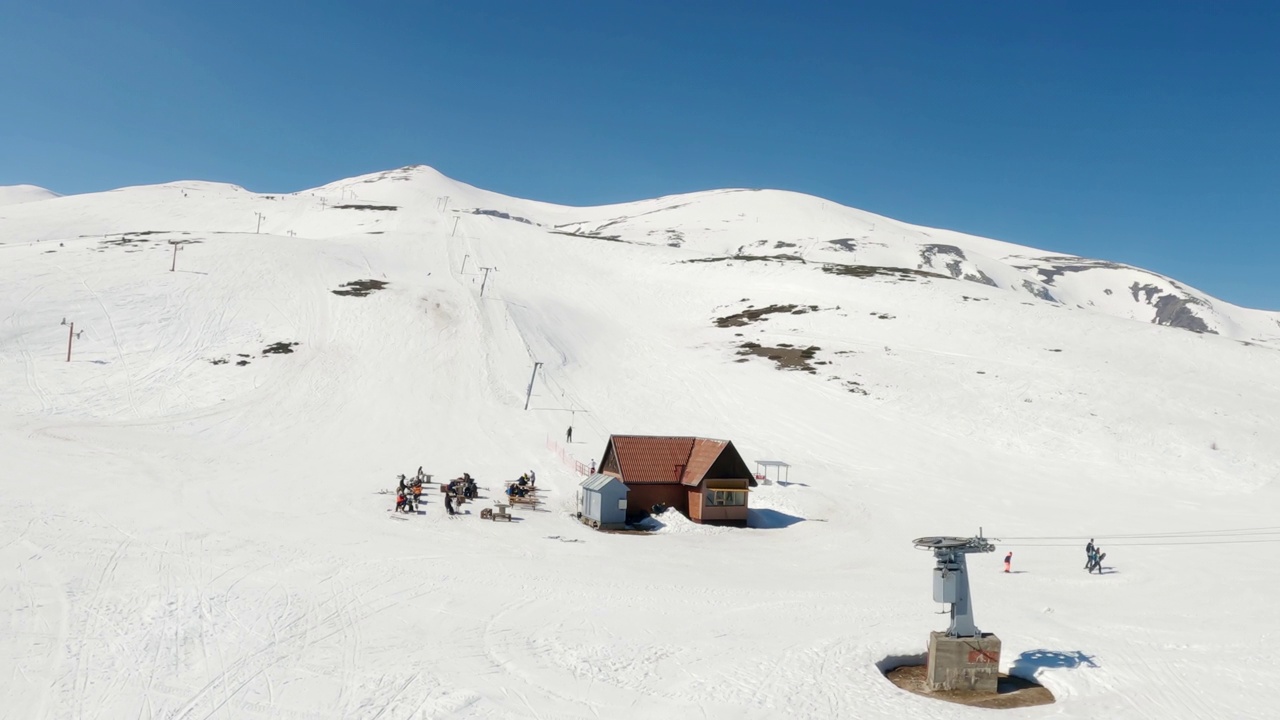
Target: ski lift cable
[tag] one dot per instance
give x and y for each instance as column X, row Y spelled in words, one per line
column 1157, row 543
column 1172, row 534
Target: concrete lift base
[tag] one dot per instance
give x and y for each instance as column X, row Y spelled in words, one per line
column 969, row 664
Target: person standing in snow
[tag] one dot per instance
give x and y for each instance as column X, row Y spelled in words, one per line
column 568, row 435
column 592, row 470
column 1008, row 561
column 1088, row 553
column 1093, row 559
column 1098, row 557
column 448, row 503
column 401, row 488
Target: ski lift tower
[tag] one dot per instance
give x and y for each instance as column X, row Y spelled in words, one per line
column 962, row 658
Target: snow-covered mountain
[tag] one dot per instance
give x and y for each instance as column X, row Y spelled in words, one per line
column 190, row 525
column 16, row 194
column 728, row 224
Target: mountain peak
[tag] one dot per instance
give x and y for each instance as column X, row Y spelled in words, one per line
column 18, row 194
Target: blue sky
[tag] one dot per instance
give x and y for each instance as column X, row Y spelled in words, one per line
column 1146, row 133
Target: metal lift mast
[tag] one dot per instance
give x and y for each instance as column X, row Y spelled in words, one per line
column 951, row 578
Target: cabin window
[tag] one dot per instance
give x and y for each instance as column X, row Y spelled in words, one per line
column 724, row 498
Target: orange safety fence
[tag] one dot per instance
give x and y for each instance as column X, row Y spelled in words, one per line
column 567, row 459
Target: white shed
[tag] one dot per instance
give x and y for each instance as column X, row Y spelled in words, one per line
column 603, row 502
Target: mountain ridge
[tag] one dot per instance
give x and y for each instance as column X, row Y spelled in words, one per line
column 734, row 223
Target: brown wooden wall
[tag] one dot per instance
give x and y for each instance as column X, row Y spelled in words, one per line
column 727, row 515
column 642, row 497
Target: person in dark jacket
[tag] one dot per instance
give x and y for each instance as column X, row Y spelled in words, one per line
column 1008, row 561
column 1088, row 553
column 448, row 503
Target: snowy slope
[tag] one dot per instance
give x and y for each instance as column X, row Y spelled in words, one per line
column 722, row 223
column 16, row 194
column 186, row 536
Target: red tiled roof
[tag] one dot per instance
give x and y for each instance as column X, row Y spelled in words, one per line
column 705, row 452
column 654, row 460
column 646, row 459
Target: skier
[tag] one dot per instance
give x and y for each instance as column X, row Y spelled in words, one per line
column 400, row 502
column 1008, row 560
column 402, row 487
column 1099, row 557
column 568, row 434
column 1093, row 559
column 1088, row 552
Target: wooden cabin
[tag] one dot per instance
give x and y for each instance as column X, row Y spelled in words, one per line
column 705, row 479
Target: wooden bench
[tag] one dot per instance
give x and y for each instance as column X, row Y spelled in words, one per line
column 531, row 500
column 495, row 513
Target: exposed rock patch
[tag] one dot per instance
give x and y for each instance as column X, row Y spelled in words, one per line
column 748, row 258
column 750, row 315
column 361, row 206
column 501, row 215
column 867, row 271
column 278, row 348
column 360, row 288
column 786, row 356
column 1038, row 290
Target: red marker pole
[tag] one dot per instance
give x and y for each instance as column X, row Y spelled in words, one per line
column 70, row 334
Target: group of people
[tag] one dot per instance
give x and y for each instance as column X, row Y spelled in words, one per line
column 526, row 484
column 456, row 491
column 460, row 490
column 408, row 492
column 1095, row 555
column 1093, row 563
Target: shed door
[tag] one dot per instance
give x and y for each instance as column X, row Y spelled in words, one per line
column 593, row 505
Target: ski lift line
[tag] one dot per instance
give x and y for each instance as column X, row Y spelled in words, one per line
column 1070, row 542
column 1150, row 544
column 1183, row 533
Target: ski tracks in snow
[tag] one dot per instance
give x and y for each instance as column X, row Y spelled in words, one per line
column 24, row 350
